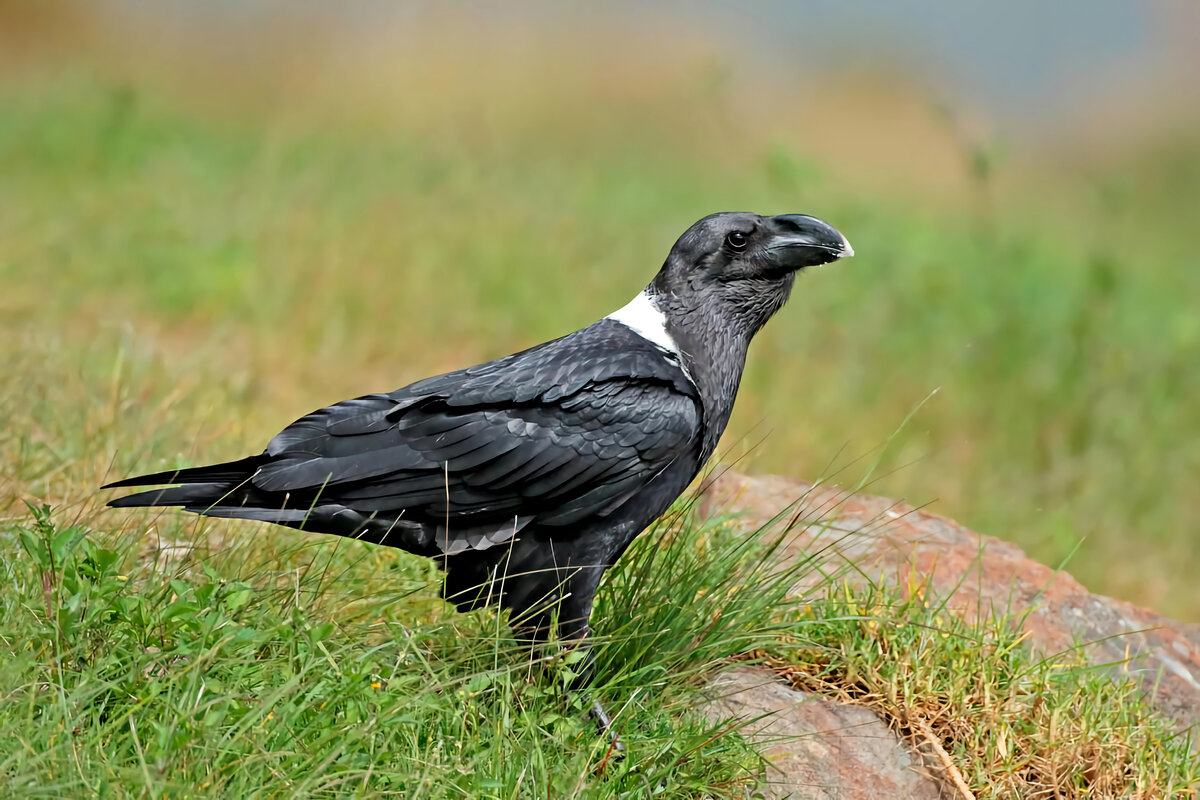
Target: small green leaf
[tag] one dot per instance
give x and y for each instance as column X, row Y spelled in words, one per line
column 238, row 598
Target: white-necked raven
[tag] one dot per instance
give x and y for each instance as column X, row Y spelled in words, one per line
column 528, row 476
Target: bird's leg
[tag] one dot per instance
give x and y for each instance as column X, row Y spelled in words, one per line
column 567, row 612
column 580, row 685
column 574, row 631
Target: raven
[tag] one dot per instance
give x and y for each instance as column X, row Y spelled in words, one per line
column 526, row 477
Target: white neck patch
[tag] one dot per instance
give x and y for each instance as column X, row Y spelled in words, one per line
column 643, row 317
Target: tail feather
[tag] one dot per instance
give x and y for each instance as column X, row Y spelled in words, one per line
column 197, row 495
column 203, row 486
column 227, row 472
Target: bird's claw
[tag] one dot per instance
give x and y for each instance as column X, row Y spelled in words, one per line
column 605, row 726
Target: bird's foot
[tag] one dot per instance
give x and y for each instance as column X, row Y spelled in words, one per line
column 605, row 726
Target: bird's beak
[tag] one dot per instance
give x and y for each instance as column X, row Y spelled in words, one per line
column 799, row 240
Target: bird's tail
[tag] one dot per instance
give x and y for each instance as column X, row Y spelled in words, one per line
column 203, row 487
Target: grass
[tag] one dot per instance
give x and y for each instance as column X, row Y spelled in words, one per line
column 278, row 667
column 226, row 676
column 999, row 722
column 181, row 280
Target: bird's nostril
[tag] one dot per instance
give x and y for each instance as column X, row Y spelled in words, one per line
column 785, row 223
column 798, row 223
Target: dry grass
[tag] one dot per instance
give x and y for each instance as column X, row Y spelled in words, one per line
column 991, row 720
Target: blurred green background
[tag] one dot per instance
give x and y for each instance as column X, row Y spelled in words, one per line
column 215, row 220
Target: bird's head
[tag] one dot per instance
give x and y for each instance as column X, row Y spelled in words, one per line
column 739, row 267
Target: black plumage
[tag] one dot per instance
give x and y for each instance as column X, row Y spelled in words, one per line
column 527, row 476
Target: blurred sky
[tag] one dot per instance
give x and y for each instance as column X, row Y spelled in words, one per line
column 1024, row 63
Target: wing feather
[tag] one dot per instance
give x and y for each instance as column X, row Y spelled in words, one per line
column 548, row 437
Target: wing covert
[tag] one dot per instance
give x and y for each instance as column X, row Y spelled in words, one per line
column 550, row 436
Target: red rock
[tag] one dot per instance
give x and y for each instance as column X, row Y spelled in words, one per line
column 818, row 749
column 919, row 551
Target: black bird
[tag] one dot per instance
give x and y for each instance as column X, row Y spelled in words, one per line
column 528, row 476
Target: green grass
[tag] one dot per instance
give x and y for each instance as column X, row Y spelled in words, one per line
column 321, row 669
column 179, row 282
column 280, row 666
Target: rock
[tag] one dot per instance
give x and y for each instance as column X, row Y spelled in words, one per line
column 818, row 749
column 914, row 550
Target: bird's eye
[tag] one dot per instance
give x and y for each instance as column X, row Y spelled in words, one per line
column 737, row 240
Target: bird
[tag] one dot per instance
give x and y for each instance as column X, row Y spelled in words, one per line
column 525, row 478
